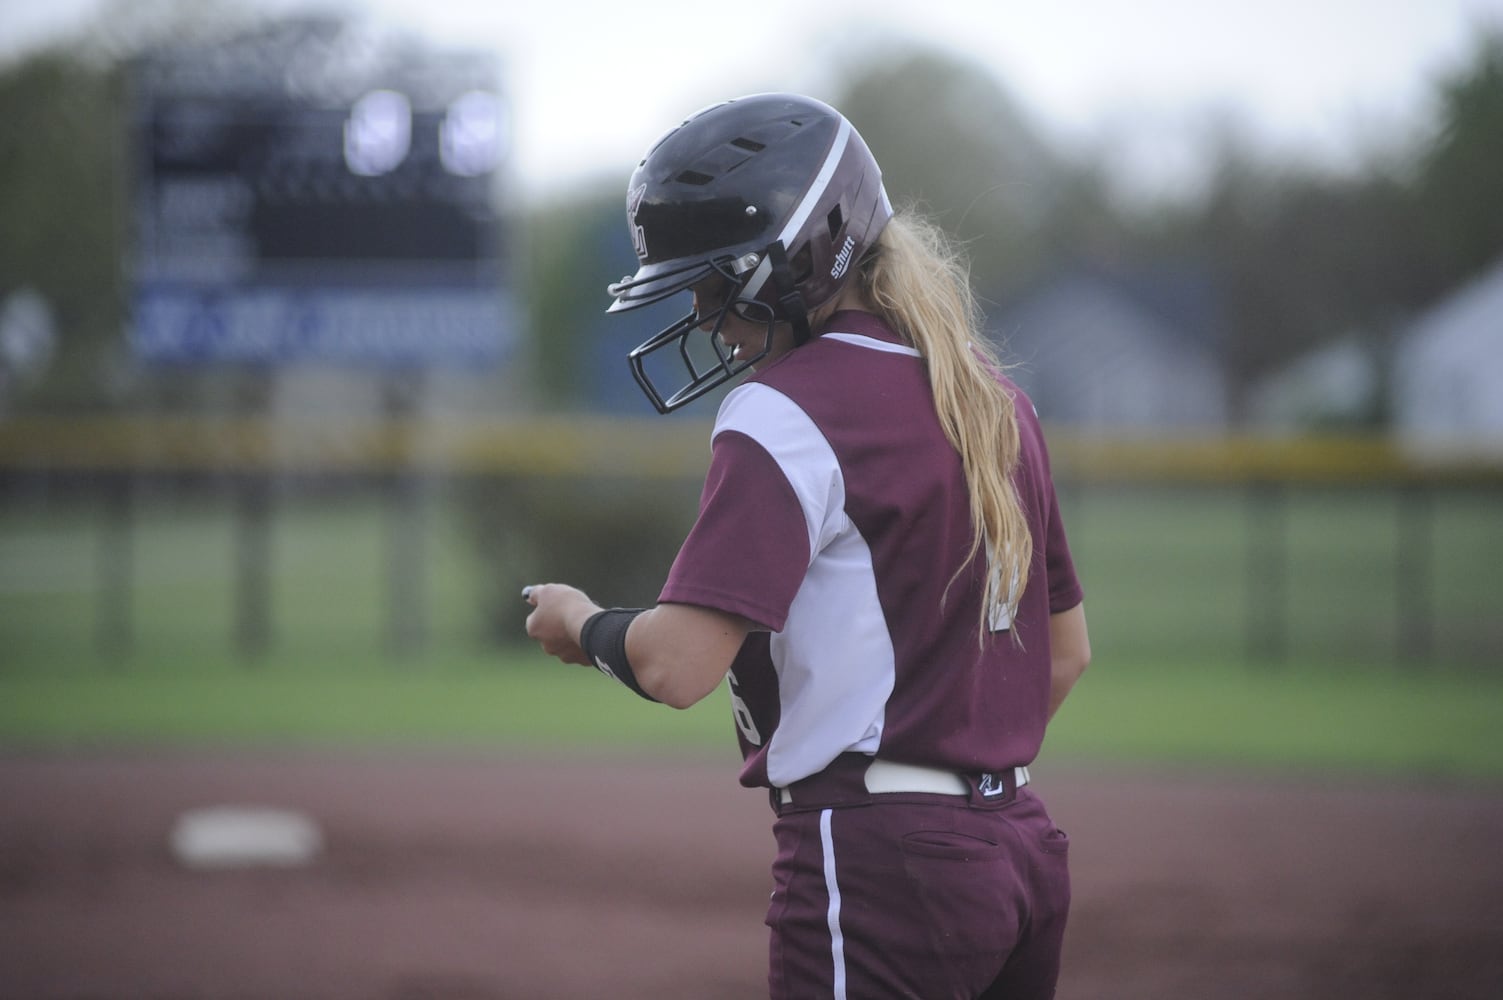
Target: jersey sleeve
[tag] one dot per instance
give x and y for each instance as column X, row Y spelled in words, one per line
column 749, row 548
column 1065, row 591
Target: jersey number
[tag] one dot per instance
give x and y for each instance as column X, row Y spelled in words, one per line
column 1000, row 615
column 743, row 714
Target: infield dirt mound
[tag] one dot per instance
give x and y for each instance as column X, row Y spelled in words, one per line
column 470, row 876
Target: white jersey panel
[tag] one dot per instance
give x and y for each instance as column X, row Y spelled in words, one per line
column 834, row 658
column 787, row 434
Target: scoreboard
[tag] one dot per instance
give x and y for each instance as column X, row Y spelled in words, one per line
column 350, row 223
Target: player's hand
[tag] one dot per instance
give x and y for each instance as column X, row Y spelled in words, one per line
column 558, row 613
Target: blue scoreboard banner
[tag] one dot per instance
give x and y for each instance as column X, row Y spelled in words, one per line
column 357, row 327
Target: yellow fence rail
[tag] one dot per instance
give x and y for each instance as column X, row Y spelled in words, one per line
column 656, row 448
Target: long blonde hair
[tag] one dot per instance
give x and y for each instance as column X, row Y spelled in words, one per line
column 919, row 282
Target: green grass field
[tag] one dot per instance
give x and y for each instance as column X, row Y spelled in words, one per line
column 1168, row 602
column 1191, row 713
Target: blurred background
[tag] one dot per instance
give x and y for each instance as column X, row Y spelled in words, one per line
column 304, row 368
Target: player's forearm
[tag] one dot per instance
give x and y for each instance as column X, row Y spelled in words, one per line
column 681, row 652
column 1061, row 683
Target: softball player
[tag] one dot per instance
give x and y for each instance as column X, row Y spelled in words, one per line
column 878, row 569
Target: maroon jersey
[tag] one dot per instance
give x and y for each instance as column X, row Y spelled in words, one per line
column 835, row 514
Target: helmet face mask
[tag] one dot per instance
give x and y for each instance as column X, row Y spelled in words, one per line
column 776, row 193
column 709, row 362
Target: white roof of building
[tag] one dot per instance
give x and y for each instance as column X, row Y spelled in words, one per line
column 1448, row 370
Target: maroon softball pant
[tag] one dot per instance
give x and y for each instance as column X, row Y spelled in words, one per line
column 927, row 896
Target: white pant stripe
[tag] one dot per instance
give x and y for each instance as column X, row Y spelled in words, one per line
column 832, row 917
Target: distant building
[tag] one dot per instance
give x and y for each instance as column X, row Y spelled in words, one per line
column 1119, row 352
column 1339, row 384
column 1448, row 372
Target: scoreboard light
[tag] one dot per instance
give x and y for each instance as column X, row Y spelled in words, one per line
column 472, row 137
column 378, row 134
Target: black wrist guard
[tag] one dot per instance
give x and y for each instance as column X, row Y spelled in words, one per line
column 603, row 639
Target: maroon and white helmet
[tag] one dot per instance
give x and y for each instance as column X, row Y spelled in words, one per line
column 776, row 192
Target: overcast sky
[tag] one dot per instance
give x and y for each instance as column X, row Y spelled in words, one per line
column 594, row 81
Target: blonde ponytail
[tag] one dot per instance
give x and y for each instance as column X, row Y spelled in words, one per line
column 918, row 281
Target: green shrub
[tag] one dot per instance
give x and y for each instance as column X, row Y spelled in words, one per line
column 613, row 537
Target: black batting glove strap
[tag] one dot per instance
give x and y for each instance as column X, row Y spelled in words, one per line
column 603, row 639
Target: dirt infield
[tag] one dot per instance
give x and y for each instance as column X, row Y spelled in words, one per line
column 474, row 877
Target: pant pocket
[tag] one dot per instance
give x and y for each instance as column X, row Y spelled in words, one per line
column 1054, row 841
column 971, row 906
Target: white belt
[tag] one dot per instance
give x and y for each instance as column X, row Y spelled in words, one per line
column 884, row 776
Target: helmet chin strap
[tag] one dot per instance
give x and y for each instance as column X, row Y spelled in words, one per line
column 790, row 302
